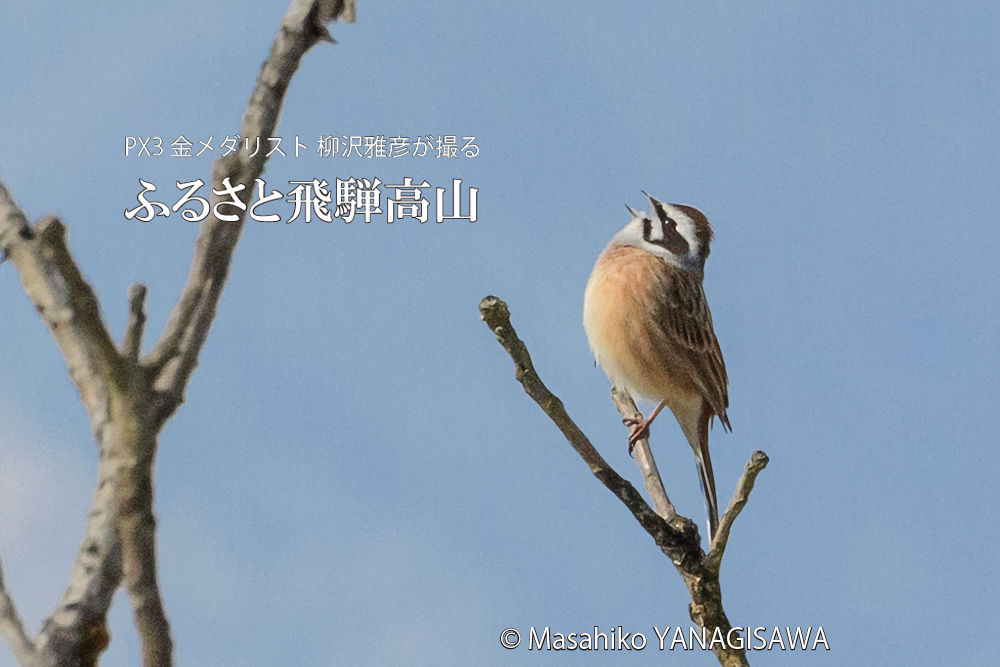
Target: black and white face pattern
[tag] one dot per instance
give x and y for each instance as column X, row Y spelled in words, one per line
column 679, row 234
column 664, row 232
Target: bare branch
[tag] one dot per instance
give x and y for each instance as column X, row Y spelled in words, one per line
column 670, row 537
column 11, row 627
column 758, row 461
column 64, row 300
column 127, row 401
column 137, row 532
column 495, row 313
column 678, row 537
column 176, row 353
column 68, row 305
column 132, row 340
column 644, row 456
column 77, row 628
column 175, row 356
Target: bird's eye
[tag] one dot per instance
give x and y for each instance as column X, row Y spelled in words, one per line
column 665, row 235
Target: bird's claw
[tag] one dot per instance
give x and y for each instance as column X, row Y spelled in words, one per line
column 642, row 431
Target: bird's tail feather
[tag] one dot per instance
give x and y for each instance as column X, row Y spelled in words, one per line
column 705, row 475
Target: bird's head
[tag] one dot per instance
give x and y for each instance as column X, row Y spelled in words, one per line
column 678, row 233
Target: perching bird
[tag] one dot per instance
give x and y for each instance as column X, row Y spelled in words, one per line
column 649, row 326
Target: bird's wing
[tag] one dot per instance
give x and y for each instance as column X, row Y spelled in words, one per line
column 685, row 321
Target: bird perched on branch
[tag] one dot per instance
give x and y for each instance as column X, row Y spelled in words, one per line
column 649, row 326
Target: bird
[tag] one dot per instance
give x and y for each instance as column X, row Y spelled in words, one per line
column 650, row 329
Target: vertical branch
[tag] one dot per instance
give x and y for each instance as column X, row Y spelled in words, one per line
column 77, row 628
column 644, row 457
column 132, row 340
column 136, row 522
column 163, row 376
column 69, row 307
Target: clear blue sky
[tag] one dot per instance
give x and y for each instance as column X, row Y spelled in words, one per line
column 358, row 479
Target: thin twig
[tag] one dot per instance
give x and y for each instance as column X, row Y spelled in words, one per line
column 11, row 627
column 758, row 461
column 132, row 340
column 644, row 456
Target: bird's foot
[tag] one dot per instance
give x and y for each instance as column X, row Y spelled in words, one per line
column 641, row 431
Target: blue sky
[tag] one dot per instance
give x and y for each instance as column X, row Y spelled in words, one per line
column 357, row 478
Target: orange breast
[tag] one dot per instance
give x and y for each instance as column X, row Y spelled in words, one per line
column 622, row 331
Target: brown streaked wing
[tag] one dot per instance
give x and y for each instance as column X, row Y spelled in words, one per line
column 686, row 323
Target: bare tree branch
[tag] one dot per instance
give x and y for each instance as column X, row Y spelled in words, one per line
column 128, row 400
column 176, row 353
column 137, row 528
column 175, row 356
column 677, row 538
column 11, row 627
column 77, row 629
column 132, row 340
column 644, row 456
column 758, row 461
column 69, row 307
column 65, row 302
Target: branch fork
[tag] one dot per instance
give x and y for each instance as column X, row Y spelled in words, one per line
column 677, row 536
column 129, row 397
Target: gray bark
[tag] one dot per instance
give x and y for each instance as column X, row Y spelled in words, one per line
column 129, row 397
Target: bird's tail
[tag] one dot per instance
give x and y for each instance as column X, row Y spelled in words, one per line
column 705, row 475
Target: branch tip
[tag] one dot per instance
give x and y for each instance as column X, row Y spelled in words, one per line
column 493, row 308
column 757, row 462
column 174, row 356
column 52, row 230
column 132, row 341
